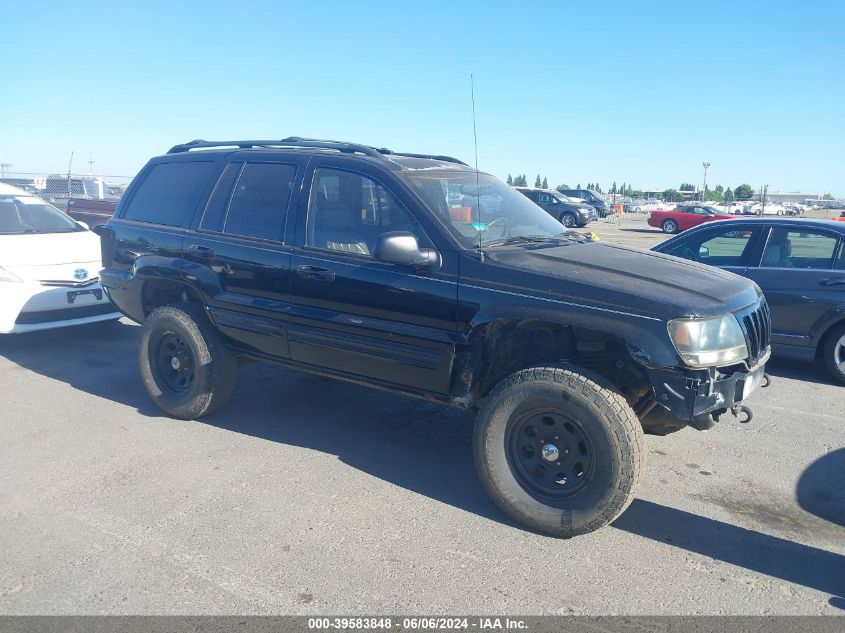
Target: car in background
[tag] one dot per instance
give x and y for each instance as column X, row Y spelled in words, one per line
column 590, row 197
column 59, row 190
column 569, row 212
column 686, row 217
column 91, row 212
column 49, row 267
column 800, row 266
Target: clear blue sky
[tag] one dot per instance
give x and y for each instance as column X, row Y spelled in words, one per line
column 640, row 92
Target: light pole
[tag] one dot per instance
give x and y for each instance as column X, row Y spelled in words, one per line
column 706, row 166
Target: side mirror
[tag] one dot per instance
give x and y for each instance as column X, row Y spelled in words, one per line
column 703, row 251
column 401, row 247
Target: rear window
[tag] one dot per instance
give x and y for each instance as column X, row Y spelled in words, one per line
column 169, row 193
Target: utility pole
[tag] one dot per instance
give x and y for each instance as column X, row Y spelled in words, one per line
column 706, row 166
column 763, row 200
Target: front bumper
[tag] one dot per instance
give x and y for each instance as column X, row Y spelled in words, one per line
column 31, row 306
column 698, row 396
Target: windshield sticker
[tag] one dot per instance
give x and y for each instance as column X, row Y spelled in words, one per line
column 479, row 226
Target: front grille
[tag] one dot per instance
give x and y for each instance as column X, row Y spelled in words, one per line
column 757, row 327
column 65, row 314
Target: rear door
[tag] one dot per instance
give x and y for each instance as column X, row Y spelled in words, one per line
column 238, row 252
column 802, row 275
column 355, row 316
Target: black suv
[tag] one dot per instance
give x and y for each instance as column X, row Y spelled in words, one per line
column 589, row 197
column 568, row 212
column 418, row 274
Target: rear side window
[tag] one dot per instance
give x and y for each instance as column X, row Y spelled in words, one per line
column 169, row 193
column 260, row 201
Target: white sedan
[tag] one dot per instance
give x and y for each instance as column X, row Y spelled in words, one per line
column 49, row 267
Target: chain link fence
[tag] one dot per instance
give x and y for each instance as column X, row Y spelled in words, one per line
column 65, row 191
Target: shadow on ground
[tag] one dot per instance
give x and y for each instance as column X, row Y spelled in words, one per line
column 820, row 488
column 418, row 445
column 797, row 370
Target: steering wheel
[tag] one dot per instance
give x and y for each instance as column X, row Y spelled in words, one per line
column 506, row 229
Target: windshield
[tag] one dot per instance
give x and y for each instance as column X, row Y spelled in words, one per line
column 489, row 212
column 27, row 214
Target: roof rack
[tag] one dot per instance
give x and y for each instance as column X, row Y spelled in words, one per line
column 297, row 141
column 291, row 141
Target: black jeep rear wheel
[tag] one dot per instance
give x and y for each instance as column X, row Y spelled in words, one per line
column 558, row 450
column 184, row 365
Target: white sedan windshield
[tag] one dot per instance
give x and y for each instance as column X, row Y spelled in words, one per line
column 27, row 214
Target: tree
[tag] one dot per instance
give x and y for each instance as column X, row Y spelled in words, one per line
column 598, row 188
column 744, row 192
column 672, row 195
column 729, row 195
column 613, row 188
column 537, row 182
column 562, row 187
column 579, row 186
column 545, row 183
column 510, row 180
column 827, row 196
column 685, row 186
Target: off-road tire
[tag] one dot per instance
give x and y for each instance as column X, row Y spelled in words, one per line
column 214, row 367
column 829, row 352
column 613, row 429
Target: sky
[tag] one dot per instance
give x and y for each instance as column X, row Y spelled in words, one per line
column 578, row 92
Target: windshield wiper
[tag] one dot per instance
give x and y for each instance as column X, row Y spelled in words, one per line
column 523, row 239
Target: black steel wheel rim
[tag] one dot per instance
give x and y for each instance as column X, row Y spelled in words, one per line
column 550, row 454
column 174, row 363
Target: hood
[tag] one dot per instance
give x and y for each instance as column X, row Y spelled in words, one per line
column 627, row 279
column 35, row 255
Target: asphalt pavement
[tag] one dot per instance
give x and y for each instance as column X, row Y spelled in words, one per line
column 311, row 496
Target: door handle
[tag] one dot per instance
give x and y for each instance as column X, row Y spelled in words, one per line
column 201, row 251
column 833, row 281
column 315, row 272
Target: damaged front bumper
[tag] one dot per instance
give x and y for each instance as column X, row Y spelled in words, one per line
column 699, row 397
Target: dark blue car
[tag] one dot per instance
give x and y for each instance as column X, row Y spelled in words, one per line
column 800, row 266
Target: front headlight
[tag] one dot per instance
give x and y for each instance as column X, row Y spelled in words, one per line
column 709, row 342
column 5, row 275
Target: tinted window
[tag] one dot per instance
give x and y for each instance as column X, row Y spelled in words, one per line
column 804, row 248
column 215, row 212
column 169, row 193
column 347, row 212
column 260, row 201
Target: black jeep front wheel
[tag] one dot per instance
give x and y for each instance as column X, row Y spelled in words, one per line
column 184, row 365
column 558, row 450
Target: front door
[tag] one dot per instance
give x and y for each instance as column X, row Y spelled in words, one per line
column 353, row 315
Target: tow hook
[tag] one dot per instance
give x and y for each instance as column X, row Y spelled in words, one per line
column 739, row 409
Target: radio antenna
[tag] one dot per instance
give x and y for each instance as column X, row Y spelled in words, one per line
column 480, row 226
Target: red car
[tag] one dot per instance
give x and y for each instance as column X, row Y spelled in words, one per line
column 684, row 218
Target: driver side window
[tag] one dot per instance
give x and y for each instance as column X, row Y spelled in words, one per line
column 347, row 212
column 732, row 247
